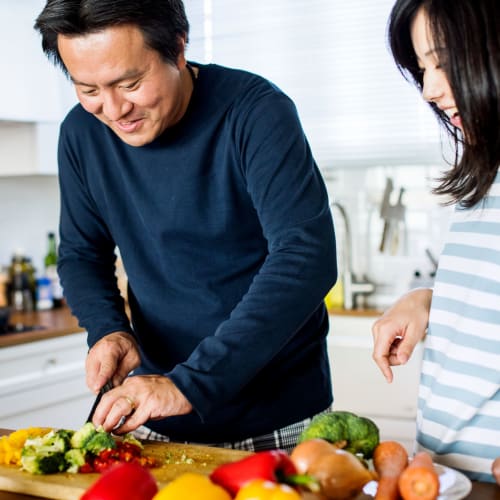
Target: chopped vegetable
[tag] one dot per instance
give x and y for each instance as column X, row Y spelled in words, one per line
column 191, row 486
column 259, row 489
column 100, row 441
column 45, row 454
column 12, row 444
column 123, row 481
column 81, row 437
column 57, row 451
column 273, row 465
column 75, row 458
column 390, row 459
column 123, row 452
column 346, row 430
column 419, row 481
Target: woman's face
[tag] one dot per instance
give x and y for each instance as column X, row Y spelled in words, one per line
column 436, row 87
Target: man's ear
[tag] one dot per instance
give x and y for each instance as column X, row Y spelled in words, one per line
column 181, row 44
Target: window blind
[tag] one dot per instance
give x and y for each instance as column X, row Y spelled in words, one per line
column 331, row 57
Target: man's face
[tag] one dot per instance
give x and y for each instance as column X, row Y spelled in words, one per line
column 125, row 84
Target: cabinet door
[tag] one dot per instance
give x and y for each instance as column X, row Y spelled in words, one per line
column 30, row 85
column 359, row 386
column 43, row 383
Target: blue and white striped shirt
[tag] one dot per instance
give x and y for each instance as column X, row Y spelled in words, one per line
column 459, row 397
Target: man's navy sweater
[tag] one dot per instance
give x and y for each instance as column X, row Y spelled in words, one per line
column 226, row 236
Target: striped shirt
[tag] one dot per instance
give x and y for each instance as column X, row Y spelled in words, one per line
column 458, row 418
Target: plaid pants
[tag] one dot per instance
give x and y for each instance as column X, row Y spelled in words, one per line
column 283, row 439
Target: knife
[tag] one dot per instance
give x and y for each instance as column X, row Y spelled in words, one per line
column 105, row 388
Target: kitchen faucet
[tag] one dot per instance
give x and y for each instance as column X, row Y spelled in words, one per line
column 352, row 286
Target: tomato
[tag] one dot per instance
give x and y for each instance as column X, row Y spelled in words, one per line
column 123, row 481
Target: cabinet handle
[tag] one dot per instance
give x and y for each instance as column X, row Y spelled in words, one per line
column 51, row 362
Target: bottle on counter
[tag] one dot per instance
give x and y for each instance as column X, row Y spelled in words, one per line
column 50, row 263
column 4, row 285
column 21, row 286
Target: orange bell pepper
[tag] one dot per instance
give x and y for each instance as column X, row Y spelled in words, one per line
column 260, row 489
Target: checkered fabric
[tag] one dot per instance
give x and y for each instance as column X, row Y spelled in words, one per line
column 284, row 439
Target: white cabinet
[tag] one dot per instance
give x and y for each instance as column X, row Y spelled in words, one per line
column 34, row 94
column 43, row 384
column 30, row 85
column 359, row 386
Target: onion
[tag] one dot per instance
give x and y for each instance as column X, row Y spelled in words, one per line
column 305, row 453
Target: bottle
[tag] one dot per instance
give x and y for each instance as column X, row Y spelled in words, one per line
column 21, row 284
column 335, row 297
column 50, row 263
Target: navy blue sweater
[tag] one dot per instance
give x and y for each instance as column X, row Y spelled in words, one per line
column 226, row 236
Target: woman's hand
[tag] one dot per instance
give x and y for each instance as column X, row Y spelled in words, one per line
column 495, row 469
column 400, row 329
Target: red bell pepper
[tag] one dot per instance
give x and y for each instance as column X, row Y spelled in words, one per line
column 273, row 465
column 124, row 480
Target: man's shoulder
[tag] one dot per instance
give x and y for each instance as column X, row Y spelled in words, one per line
column 235, row 81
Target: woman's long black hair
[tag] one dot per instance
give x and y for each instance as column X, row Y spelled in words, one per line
column 468, row 35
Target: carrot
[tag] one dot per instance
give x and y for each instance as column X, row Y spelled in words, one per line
column 419, row 481
column 390, row 459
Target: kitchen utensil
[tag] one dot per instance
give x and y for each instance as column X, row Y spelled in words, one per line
column 105, row 388
column 397, row 216
column 384, row 212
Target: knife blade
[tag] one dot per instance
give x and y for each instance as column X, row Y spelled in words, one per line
column 105, row 388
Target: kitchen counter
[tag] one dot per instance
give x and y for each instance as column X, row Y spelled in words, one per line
column 59, row 322
column 55, row 323
column 480, row 491
column 359, row 313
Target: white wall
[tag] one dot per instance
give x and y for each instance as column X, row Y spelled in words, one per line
column 29, row 208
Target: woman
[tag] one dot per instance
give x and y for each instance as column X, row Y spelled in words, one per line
column 451, row 51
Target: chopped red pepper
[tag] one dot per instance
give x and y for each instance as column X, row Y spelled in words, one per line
column 124, row 452
column 273, row 465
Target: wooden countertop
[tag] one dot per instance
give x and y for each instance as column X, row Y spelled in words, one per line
column 55, row 323
column 360, row 313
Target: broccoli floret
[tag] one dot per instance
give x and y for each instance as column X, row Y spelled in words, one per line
column 100, row 441
column 75, row 458
column 47, row 462
column 363, row 436
column 52, row 442
column 83, row 435
column 329, row 426
column 353, row 433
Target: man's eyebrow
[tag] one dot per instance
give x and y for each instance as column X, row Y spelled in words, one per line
column 126, row 76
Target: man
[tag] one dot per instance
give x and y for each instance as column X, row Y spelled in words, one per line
column 203, row 179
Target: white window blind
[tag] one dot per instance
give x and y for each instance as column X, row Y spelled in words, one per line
column 331, row 57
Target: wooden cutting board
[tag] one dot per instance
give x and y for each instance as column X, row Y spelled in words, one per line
column 174, row 456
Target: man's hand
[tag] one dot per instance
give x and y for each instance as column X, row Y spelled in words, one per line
column 138, row 399
column 400, row 329
column 112, row 358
